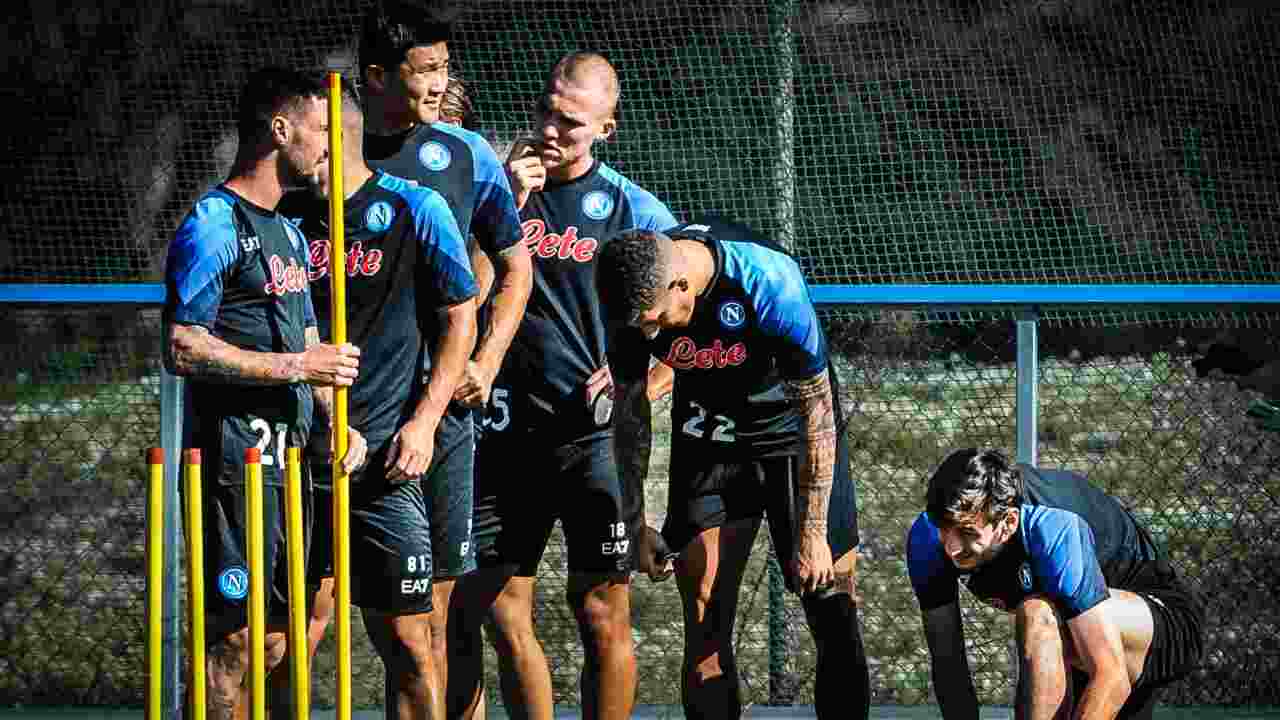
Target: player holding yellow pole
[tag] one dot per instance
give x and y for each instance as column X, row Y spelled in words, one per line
column 341, row 479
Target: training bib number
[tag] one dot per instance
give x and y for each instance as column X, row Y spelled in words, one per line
column 270, row 457
column 697, row 425
column 501, row 398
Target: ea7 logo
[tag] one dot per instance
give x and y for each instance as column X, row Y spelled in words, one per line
column 615, row 548
column 249, row 243
column 415, row 587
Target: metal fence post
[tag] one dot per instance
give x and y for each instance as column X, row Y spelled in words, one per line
column 1028, row 381
column 782, row 43
column 171, row 409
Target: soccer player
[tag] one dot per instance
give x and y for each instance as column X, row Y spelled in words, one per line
column 404, row 59
column 1101, row 618
column 756, row 430
column 546, row 454
column 410, row 300
column 240, row 325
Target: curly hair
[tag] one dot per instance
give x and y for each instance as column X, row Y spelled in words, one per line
column 629, row 271
column 455, row 106
column 972, row 481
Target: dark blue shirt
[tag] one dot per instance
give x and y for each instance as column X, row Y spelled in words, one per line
column 462, row 167
column 753, row 328
column 562, row 338
column 405, row 260
column 1073, row 542
column 241, row 271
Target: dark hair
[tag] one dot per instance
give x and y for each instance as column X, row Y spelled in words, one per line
column 391, row 29
column 629, row 271
column 269, row 92
column 972, row 481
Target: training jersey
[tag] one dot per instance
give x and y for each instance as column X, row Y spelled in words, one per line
column 462, row 167
column 562, row 338
column 405, row 259
column 240, row 271
column 1073, row 542
column 753, row 328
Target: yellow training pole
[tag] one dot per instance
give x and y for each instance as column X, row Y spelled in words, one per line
column 298, row 671
column 155, row 578
column 254, row 544
column 195, row 581
column 341, row 486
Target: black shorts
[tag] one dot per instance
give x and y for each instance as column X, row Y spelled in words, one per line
column 1177, row 644
column 707, row 492
column 525, row 482
column 226, row 570
column 404, row 535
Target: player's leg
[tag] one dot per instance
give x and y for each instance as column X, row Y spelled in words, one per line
column 227, row 588
column 1162, row 632
column 449, row 504
column 842, row 680
column 513, row 517
column 391, row 570
column 713, row 516
column 599, row 525
column 319, row 580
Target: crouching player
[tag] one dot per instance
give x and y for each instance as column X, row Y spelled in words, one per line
column 1102, row 620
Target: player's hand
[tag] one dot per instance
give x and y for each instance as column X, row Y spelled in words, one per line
column 653, row 556
column 599, row 395
column 411, row 451
column 357, row 451
column 325, row 364
column 477, row 384
column 812, row 566
column 525, row 171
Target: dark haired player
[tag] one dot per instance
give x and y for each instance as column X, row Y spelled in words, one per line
column 410, row 302
column 404, row 62
column 546, row 454
column 1101, row 618
column 756, row 429
column 240, row 325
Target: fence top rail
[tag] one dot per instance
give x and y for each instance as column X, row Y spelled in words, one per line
column 945, row 295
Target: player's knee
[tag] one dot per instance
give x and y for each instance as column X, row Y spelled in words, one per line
column 410, row 654
column 511, row 628
column 276, row 646
column 604, row 612
column 229, row 655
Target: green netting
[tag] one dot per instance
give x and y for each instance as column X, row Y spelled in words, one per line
column 889, row 141
column 915, row 140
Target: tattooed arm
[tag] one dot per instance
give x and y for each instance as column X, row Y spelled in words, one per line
column 192, row 351
column 817, row 411
column 323, row 419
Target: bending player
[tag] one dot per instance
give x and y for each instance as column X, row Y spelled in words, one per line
column 1101, row 618
column 240, row 325
column 756, row 429
column 546, row 454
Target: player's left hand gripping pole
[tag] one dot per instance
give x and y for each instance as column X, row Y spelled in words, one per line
column 341, row 484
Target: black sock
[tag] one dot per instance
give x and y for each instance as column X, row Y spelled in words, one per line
column 842, row 687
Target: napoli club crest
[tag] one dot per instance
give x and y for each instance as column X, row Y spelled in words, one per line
column 378, row 217
column 597, row 205
column 732, row 314
column 233, row 583
column 434, row 156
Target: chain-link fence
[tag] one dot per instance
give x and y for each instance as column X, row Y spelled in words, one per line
column 888, row 142
column 1119, row 402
